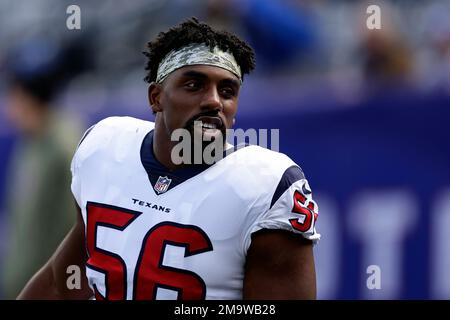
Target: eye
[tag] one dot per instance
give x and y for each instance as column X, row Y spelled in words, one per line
column 228, row 92
column 192, row 84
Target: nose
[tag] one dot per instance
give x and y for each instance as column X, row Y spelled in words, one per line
column 211, row 100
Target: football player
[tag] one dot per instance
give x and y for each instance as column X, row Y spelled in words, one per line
column 149, row 228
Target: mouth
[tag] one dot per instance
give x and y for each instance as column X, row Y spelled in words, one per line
column 207, row 123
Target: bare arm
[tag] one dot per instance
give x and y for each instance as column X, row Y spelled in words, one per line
column 50, row 282
column 280, row 265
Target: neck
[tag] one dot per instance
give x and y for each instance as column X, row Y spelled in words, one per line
column 37, row 124
column 162, row 146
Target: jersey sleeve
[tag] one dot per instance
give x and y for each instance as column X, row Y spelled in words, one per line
column 74, row 168
column 291, row 208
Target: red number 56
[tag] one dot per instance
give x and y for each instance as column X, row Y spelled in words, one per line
column 150, row 274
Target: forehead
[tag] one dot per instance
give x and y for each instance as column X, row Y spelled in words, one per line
column 205, row 71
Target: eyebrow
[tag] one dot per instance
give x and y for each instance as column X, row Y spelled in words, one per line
column 201, row 75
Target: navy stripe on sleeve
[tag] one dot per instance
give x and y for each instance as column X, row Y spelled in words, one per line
column 85, row 135
column 290, row 176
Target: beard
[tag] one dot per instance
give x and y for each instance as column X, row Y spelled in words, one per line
column 205, row 143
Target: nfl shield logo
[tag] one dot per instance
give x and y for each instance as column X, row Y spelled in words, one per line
column 162, row 184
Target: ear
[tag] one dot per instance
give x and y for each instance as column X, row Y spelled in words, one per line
column 154, row 96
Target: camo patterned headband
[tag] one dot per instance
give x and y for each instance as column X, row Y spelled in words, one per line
column 194, row 54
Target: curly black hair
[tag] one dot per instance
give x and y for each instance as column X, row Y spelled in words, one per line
column 193, row 31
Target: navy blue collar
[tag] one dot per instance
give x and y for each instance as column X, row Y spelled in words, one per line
column 157, row 172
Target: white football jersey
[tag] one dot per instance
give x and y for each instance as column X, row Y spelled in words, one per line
column 156, row 234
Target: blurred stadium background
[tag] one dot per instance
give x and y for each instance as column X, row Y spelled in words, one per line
column 364, row 112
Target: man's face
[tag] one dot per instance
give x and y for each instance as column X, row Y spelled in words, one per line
column 197, row 93
column 24, row 111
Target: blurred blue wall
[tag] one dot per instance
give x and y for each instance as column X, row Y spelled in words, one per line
column 380, row 174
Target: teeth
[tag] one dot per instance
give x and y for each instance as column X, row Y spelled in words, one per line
column 208, row 125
